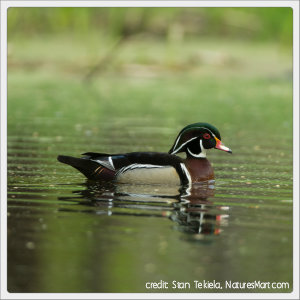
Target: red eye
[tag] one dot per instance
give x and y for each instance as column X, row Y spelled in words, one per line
column 206, row 136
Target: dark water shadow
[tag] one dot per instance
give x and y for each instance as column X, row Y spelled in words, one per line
column 190, row 208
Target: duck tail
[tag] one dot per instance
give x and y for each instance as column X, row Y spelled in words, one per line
column 83, row 165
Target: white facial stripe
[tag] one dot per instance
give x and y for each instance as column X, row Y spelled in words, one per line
column 180, row 137
column 203, row 150
column 175, row 151
column 197, row 155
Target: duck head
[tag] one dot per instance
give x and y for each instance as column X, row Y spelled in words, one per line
column 196, row 138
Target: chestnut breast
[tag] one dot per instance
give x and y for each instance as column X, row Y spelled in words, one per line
column 200, row 169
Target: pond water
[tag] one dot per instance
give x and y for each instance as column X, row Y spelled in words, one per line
column 69, row 235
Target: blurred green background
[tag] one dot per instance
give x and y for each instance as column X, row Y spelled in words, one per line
column 153, row 61
column 271, row 24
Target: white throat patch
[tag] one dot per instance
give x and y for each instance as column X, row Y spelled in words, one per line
column 201, row 154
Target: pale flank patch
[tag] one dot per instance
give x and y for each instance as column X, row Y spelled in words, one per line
column 160, row 175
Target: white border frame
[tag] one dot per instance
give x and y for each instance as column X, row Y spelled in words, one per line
column 5, row 4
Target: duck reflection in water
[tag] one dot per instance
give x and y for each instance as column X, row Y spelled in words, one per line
column 189, row 208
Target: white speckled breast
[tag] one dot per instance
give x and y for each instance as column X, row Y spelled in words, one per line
column 155, row 175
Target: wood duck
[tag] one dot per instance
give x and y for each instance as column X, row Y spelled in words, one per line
column 156, row 167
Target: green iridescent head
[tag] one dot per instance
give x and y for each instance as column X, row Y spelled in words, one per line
column 195, row 138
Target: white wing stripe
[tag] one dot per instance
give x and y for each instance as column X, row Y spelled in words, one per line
column 138, row 166
column 104, row 163
column 111, row 162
